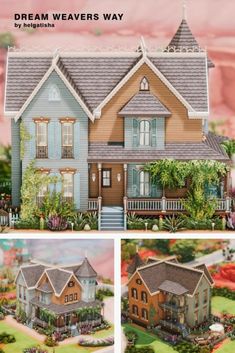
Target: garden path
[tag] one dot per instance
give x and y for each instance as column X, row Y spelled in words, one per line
column 109, row 309
column 28, row 331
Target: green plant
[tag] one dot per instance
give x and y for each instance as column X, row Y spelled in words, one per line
column 53, row 204
column 7, row 40
column 173, row 224
column 21, row 315
column 7, row 338
column 57, row 223
column 49, row 317
column 134, row 221
column 32, row 223
column 184, row 249
column 24, row 137
column 35, row 349
column 134, row 349
column 131, row 336
column 187, row 347
column 50, row 342
column 229, row 147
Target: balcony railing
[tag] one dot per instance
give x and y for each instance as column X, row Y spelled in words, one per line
column 42, row 152
column 67, row 151
column 172, row 307
column 169, row 205
column 93, row 204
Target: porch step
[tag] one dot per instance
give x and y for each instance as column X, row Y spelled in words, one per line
column 112, row 219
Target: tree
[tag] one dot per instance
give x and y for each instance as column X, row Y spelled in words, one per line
column 152, row 314
column 6, row 40
column 163, row 245
column 184, row 249
column 229, row 147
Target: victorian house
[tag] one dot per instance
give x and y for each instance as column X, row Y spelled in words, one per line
column 95, row 119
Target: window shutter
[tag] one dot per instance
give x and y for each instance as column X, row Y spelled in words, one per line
column 58, row 137
column 51, row 186
column 76, row 188
column 160, row 133
column 32, row 141
column 154, row 132
column 51, row 139
column 76, row 140
column 59, row 183
column 135, row 182
column 135, row 133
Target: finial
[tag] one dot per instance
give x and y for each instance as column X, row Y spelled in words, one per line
column 184, row 9
column 143, row 46
column 137, row 249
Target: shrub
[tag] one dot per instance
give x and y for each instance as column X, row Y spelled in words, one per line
column 131, row 336
column 188, row 347
column 173, row 224
column 50, row 341
column 35, row 349
column 96, row 342
column 7, row 338
column 57, row 223
column 133, row 349
column 184, row 249
column 31, row 223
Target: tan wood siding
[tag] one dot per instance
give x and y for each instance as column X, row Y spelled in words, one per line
column 110, row 127
column 93, row 185
column 113, row 196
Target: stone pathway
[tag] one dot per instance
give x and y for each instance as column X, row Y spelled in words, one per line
column 28, row 331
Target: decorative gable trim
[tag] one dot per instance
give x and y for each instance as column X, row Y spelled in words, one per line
column 147, row 61
column 54, row 67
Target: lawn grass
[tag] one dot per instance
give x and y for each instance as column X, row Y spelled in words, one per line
column 220, row 304
column 24, row 341
column 146, row 339
column 104, row 333
column 227, row 347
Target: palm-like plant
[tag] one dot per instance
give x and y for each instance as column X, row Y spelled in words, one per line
column 229, row 147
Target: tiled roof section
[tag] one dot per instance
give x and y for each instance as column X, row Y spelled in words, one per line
column 203, row 268
column 184, row 38
column 86, row 270
column 103, row 152
column 32, row 273
column 144, row 103
column 95, row 77
column 136, row 262
column 154, row 275
column 214, row 141
column 72, row 268
column 188, row 76
column 45, row 287
column 24, row 74
column 152, row 259
column 58, row 278
column 63, row 309
column 173, row 287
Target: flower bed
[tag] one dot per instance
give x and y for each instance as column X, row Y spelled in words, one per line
column 96, row 342
column 35, row 349
column 224, row 276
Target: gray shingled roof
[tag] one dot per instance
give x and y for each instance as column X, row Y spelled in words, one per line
column 202, row 267
column 209, row 149
column 136, row 262
column 144, row 103
column 173, row 287
column 46, row 287
column 188, row 76
column 58, row 278
column 32, row 273
column 184, row 38
column 156, row 274
column 94, row 77
column 63, row 309
column 86, row 270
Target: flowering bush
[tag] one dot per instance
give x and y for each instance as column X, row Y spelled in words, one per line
column 35, row 349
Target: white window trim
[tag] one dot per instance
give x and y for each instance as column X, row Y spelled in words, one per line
column 54, row 93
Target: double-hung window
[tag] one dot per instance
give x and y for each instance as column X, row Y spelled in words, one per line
column 67, row 139
column 144, row 178
column 41, row 139
column 68, row 186
column 106, row 178
column 144, row 133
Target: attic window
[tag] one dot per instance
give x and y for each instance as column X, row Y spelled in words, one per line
column 144, row 84
column 54, row 94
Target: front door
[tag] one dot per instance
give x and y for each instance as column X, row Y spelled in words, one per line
column 112, row 184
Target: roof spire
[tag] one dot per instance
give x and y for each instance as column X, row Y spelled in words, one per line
column 137, row 249
column 184, row 8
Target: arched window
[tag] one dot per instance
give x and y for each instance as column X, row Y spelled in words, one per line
column 134, row 293
column 54, row 93
column 144, row 84
column 144, row 314
column 144, row 133
column 144, row 184
column 144, row 297
column 135, row 310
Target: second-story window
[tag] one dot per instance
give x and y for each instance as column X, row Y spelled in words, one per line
column 134, row 293
column 41, row 140
column 67, row 139
column 144, row 297
column 205, row 296
column 144, row 134
column 67, row 186
column 144, row 184
column 196, row 300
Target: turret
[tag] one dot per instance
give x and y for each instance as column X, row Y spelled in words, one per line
column 87, row 277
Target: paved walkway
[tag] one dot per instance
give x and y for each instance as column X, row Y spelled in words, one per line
column 28, row 331
column 109, row 309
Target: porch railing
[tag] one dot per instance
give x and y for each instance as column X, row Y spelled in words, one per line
column 172, row 205
column 93, row 204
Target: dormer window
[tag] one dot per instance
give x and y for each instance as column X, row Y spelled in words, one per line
column 144, row 84
column 54, row 94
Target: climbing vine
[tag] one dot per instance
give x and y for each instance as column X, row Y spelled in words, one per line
column 24, row 137
column 31, row 184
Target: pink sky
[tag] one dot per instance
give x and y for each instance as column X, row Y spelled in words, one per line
column 212, row 22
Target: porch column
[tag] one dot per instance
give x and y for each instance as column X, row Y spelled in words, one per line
column 125, row 179
column 99, row 178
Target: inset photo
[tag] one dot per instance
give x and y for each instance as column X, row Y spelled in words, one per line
column 178, row 296
column 56, row 296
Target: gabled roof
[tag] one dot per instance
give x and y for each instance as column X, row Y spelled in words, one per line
column 165, row 275
column 86, row 270
column 46, row 287
column 136, row 262
column 184, row 39
column 202, row 267
column 32, row 273
column 58, row 278
column 144, row 103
